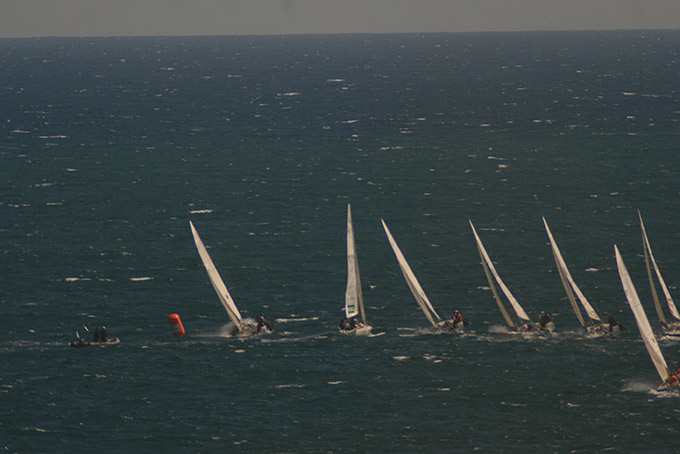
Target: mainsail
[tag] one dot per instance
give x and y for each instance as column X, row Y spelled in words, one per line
column 488, row 266
column 354, row 300
column 643, row 324
column 216, row 280
column 416, row 289
column 650, row 262
column 569, row 285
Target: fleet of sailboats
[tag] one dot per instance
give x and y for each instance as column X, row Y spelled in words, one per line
column 525, row 325
column 593, row 324
column 355, row 316
column 670, row 328
column 416, row 289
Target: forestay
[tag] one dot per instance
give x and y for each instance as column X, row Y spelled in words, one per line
column 641, row 319
column 413, row 284
column 569, row 284
column 216, row 280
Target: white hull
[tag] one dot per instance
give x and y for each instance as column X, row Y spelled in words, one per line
column 601, row 330
column 446, row 326
column 361, row 330
column 671, row 330
column 533, row 329
column 248, row 329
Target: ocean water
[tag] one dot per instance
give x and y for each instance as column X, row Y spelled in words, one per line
column 109, row 146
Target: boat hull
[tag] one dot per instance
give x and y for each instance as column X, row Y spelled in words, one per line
column 108, row 343
column 447, row 326
column 533, row 329
column 602, row 330
column 360, row 330
column 672, row 329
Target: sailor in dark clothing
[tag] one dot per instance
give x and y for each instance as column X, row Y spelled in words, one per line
column 96, row 335
column 262, row 322
column 613, row 323
column 543, row 320
column 102, row 335
column 348, row 324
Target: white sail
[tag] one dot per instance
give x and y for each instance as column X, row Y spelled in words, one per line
column 216, row 280
column 643, row 324
column 568, row 282
column 649, row 257
column 414, row 285
column 354, row 301
column 506, row 291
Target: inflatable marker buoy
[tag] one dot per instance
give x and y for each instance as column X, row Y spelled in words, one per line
column 176, row 324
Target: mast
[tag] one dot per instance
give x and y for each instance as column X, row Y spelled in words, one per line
column 506, row 291
column 641, row 319
column 216, row 280
column 412, row 281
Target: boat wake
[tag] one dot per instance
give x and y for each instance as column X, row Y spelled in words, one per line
column 637, row 386
column 500, row 329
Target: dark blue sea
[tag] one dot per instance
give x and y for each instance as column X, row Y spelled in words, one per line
column 110, row 146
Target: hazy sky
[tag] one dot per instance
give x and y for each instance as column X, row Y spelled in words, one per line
column 26, row 18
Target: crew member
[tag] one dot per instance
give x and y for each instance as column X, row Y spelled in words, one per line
column 262, row 322
column 672, row 381
column 458, row 319
column 612, row 323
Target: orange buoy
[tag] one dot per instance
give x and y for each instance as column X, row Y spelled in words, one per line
column 176, row 324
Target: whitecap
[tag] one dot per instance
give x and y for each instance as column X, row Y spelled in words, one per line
column 139, row 279
column 200, row 211
column 287, row 320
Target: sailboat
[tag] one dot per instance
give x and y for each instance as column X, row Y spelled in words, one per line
column 354, row 299
column 417, row 291
column 243, row 327
column 643, row 324
column 669, row 328
column 525, row 326
column 593, row 325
